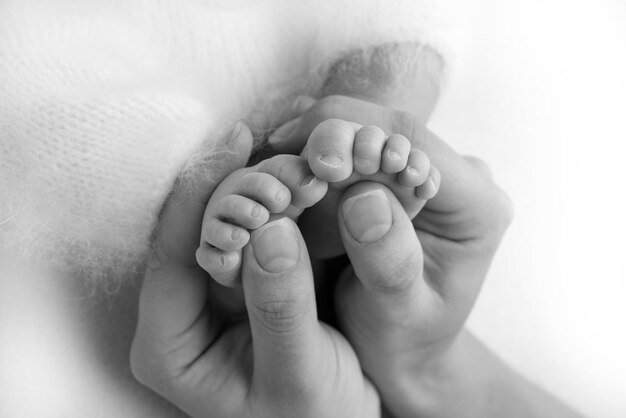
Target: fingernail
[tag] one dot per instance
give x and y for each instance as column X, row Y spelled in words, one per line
column 368, row 216
column 275, row 246
column 236, row 131
column 296, row 103
column 302, row 104
column 284, row 131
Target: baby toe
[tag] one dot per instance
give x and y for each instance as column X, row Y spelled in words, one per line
column 265, row 189
column 243, row 211
column 368, row 146
column 223, row 235
column 330, row 147
column 396, row 154
column 416, row 170
column 223, row 266
column 294, row 172
column 430, row 187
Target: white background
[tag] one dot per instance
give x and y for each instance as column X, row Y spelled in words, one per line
column 540, row 94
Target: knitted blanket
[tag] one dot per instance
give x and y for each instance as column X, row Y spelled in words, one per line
column 104, row 103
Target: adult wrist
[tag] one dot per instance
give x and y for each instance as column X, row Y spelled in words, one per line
column 424, row 388
column 468, row 380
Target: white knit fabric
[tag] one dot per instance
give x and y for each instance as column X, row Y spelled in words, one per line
column 102, row 103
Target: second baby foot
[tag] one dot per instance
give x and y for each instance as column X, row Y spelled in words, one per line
column 344, row 153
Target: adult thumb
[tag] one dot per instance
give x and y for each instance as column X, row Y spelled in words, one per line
column 280, row 298
column 384, row 250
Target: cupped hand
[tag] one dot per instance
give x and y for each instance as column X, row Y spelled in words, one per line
column 405, row 298
column 204, row 356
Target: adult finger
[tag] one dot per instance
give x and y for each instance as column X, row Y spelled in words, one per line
column 280, row 298
column 384, row 252
column 292, row 136
column 175, row 290
column 302, row 104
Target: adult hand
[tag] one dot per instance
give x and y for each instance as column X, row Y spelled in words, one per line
column 454, row 237
column 280, row 362
column 405, row 298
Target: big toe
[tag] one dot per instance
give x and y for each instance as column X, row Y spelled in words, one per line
column 329, row 149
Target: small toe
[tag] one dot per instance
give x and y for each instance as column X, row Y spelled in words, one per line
column 396, row 154
column 265, row 189
column 242, row 211
column 416, row 170
column 430, row 187
column 225, row 236
column 294, row 172
column 224, row 267
column 369, row 142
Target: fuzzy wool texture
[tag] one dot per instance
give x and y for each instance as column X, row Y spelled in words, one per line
column 105, row 103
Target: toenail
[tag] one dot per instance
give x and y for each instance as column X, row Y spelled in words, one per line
column 432, row 186
column 394, row 155
column 256, row 212
column 235, row 235
column 412, row 170
column 332, row 160
column 368, row 216
column 362, row 161
column 280, row 195
column 284, row 132
column 307, row 181
column 428, row 190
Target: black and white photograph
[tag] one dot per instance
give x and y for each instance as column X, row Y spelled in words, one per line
column 312, row 209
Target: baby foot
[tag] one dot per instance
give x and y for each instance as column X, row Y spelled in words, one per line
column 244, row 201
column 344, row 153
